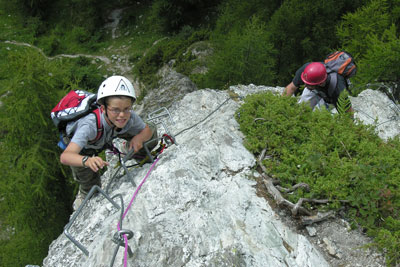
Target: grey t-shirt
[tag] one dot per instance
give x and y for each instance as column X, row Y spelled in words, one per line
column 85, row 129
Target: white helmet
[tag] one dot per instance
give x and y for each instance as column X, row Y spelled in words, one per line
column 115, row 86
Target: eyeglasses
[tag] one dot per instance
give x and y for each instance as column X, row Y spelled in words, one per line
column 116, row 111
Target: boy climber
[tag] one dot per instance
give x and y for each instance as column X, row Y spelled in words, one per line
column 116, row 96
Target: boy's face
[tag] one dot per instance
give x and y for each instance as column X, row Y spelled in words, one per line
column 118, row 110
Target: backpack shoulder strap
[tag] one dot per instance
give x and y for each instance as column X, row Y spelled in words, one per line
column 97, row 112
column 332, row 82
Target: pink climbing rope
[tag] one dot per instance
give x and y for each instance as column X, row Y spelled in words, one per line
column 127, row 209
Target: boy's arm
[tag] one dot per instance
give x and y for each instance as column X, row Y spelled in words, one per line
column 71, row 157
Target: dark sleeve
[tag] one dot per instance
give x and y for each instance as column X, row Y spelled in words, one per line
column 297, row 81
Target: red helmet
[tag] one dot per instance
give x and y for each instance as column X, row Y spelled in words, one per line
column 314, row 73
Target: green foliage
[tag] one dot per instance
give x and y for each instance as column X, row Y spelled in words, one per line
column 147, row 67
column 236, row 13
column 188, row 61
column 162, row 52
column 77, row 39
column 170, row 16
column 32, row 7
column 255, row 41
column 23, row 248
column 304, row 31
column 16, row 26
column 31, row 185
column 344, row 102
column 366, row 21
column 380, row 60
column 389, row 238
column 35, row 191
column 58, row 26
column 338, row 159
column 243, row 57
column 371, row 35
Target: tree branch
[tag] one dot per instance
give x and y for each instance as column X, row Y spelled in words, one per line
column 295, row 208
column 294, row 188
column 308, row 220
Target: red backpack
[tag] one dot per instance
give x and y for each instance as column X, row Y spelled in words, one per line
column 73, row 106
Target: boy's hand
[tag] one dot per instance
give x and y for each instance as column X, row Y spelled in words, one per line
column 96, row 163
column 135, row 144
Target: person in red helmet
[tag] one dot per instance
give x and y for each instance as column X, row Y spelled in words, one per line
column 320, row 89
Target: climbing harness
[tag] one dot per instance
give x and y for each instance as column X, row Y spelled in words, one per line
column 122, row 236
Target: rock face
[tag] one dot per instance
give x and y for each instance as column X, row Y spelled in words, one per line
column 171, row 88
column 374, row 107
column 198, row 207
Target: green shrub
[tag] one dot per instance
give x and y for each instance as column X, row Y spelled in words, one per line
column 388, row 238
column 50, row 44
column 147, row 67
column 244, row 57
column 343, row 103
column 338, row 159
column 186, row 62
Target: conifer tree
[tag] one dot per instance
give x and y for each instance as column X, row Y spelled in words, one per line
column 35, row 193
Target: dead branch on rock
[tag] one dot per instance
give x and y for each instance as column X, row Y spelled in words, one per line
column 294, row 188
column 261, row 156
column 280, row 200
column 320, row 216
column 268, row 181
column 295, row 208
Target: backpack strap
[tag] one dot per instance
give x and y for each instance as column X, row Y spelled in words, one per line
column 332, row 83
column 97, row 112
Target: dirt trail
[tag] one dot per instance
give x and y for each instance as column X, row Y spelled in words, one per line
column 102, row 58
